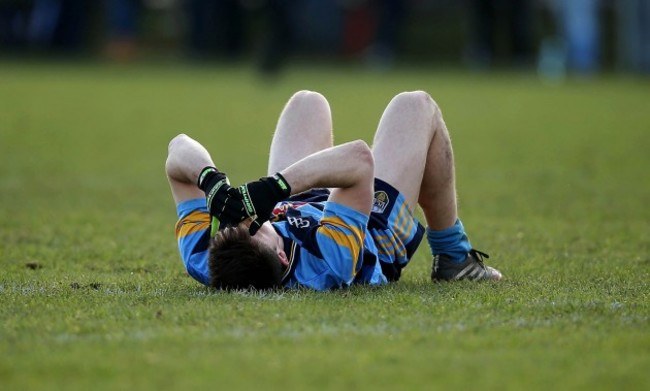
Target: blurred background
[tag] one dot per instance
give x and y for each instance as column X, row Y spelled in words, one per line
column 552, row 37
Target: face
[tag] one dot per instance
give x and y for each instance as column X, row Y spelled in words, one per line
column 268, row 237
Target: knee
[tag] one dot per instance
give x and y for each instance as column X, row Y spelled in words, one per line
column 306, row 98
column 419, row 102
column 416, row 99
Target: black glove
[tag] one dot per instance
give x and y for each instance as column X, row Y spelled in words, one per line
column 224, row 202
column 259, row 198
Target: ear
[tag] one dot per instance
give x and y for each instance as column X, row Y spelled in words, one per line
column 282, row 256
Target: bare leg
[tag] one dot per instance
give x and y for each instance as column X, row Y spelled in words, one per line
column 413, row 153
column 402, row 141
column 438, row 191
column 304, row 127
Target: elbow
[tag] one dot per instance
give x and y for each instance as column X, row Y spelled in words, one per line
column 364, row 160
column 175, row 154
column 177, row 142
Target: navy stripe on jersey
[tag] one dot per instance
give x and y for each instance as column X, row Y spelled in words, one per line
column 304, row 228
column 413, row 244
column 203, row 243
column 293, row 255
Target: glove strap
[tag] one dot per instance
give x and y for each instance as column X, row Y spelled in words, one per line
column 282, row 184
column 205, row 173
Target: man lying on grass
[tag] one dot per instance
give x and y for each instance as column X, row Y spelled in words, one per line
column 326, row 216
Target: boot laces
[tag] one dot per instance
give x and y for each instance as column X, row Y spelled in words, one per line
column 478, row 255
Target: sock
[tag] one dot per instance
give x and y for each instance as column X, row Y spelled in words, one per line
column 451, row 241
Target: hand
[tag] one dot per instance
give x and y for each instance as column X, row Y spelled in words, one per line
column 259, row 198
column 224, row 202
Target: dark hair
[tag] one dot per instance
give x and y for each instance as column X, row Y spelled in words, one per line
column 238, row 262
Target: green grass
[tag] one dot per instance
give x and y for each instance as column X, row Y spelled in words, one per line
column 553, row 183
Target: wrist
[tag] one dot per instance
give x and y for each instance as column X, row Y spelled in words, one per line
column 205, row 175
column 283, row 187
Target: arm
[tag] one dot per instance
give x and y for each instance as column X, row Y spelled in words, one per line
column 347, row 168
column 185, row 160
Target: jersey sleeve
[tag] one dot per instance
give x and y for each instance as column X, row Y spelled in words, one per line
column 193, row 237
column 340, row 239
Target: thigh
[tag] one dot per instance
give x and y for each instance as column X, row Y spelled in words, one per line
column 402, row 142
column 304, row 127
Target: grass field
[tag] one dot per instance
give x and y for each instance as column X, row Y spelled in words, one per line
column 553, row 183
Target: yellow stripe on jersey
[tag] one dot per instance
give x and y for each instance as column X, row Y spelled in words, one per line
column 399, row 220
column 409, row 226
column 405, row 223
column 384, row 243
column 352, row 242
column 387, row 244
column 194, row 222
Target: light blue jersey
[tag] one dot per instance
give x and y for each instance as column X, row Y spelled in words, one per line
column 193, row 237
column 328, row 245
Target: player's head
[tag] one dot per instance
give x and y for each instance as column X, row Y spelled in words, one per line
column 240, row 261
